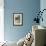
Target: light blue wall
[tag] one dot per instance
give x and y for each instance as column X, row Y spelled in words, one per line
column 28, row 8
column 43, row 6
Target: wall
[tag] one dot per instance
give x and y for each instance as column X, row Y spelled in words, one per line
column 1, row 20
column 43, row 6
column 28, row 8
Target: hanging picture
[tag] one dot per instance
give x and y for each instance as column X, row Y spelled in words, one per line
column 17, row 19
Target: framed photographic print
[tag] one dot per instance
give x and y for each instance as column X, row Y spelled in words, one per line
column 17, row 19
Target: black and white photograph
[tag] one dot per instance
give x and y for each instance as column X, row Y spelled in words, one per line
column 17, row 19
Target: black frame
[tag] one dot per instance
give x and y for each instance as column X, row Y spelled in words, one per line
column 22, row 19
